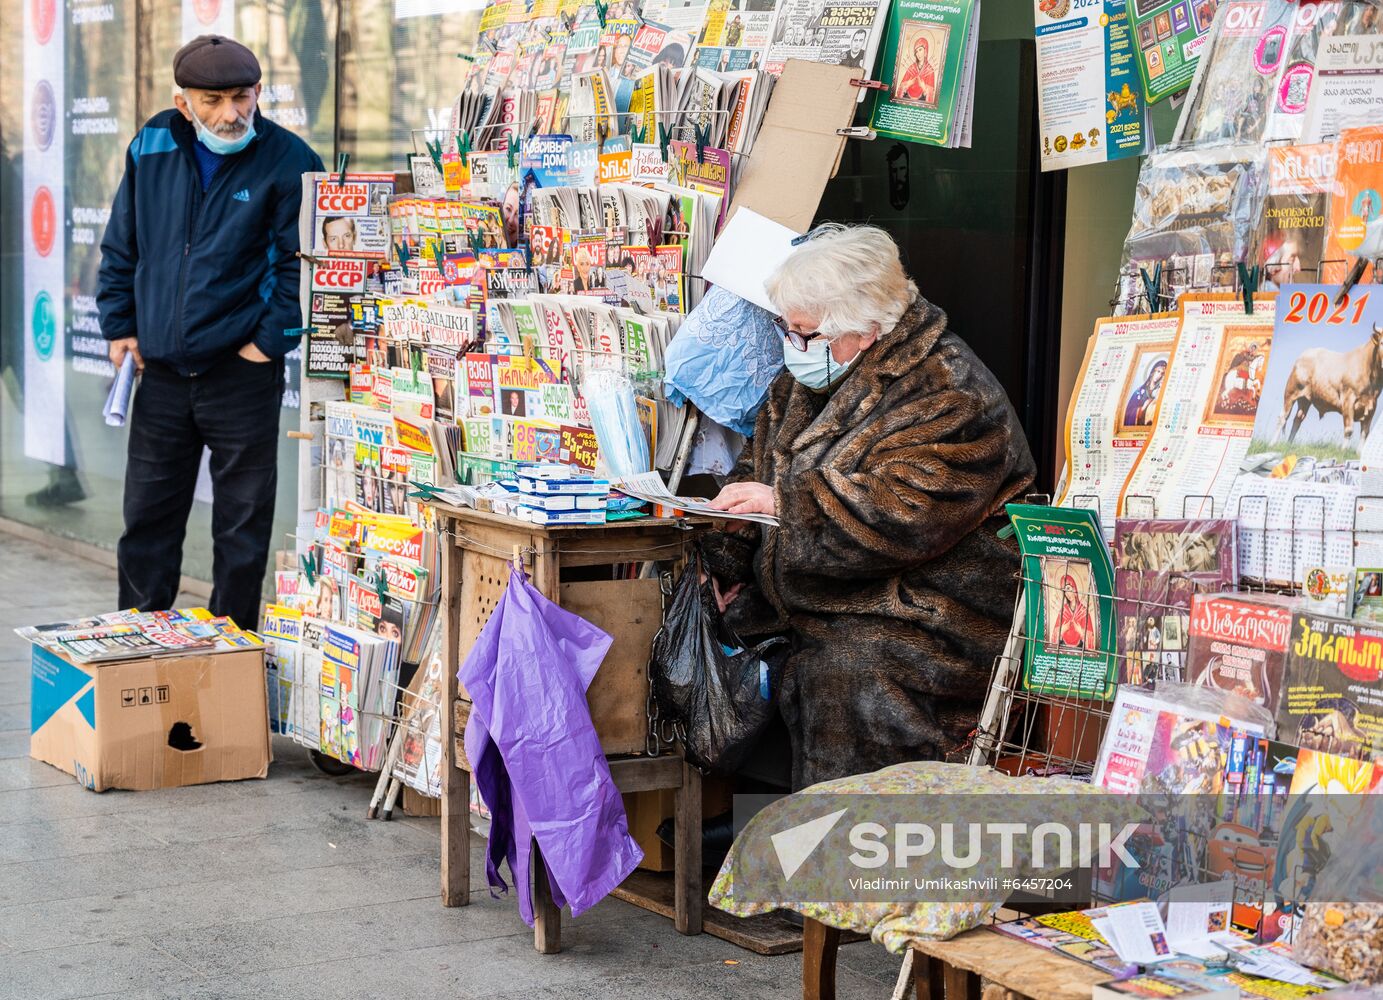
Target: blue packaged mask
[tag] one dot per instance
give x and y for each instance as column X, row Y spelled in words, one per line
column 814, row 367
column 219, row 144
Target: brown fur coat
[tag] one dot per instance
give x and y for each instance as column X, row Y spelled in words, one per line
column 885, row 571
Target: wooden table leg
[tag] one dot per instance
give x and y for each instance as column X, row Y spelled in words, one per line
column 961, row 984
column 547, row 918
column 689, row 894
column 929, row 977
column 456, row 783
column 819, row 946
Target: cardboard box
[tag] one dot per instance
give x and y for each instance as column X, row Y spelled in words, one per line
column 151, row 723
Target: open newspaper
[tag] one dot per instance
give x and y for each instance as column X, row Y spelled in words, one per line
column 649, row 487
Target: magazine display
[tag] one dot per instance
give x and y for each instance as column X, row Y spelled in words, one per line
column 1159, row 567
column 1205, row 416
column 1068, row 587
column 929, row 66
column 1112, row 407
column 126, row 635
column 1238, row 644
column 1332, row 701
column 1291, row 239
column 1356, row 217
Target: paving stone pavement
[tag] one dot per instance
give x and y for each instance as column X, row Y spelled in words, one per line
column 282, row 888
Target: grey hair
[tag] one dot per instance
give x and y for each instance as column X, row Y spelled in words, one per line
column 849, row 277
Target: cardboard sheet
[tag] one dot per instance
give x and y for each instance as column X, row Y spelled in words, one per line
column 797, row 150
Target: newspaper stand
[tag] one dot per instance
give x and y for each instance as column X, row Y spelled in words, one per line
column 478, row 549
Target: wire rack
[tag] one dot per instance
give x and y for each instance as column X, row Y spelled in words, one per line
column 1229, row 836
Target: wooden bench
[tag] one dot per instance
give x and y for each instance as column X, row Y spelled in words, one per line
column 953, row 970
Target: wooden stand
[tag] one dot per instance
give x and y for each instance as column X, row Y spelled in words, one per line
column 952, row 970
column 477, row 551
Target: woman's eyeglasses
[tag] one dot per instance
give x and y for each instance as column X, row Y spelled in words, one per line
column 797, row 340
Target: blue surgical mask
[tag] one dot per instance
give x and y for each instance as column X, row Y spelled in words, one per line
column 814, row 367
column 219, row 144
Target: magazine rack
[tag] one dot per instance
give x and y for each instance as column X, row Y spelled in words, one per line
column 575, row 566
column 1024, row 732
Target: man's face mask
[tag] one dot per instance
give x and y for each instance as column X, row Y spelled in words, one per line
column 814, row 367
column 219, row 143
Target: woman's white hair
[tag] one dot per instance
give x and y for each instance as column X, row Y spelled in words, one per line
column 849, row 277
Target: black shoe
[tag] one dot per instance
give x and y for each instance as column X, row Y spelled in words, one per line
column 717, row 834
column 65, row 489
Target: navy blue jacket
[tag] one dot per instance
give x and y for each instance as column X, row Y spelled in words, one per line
column 196, row 275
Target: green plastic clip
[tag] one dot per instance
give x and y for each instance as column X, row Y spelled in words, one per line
column 1152, row 286
column 703, row 139
column 341, row 165
column 1248, row 283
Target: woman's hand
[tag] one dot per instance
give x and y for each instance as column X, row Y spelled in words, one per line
column 746, row 498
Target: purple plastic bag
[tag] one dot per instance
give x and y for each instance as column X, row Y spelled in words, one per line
column 537, row 759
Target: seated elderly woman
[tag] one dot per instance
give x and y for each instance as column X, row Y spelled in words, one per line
column 887, row 450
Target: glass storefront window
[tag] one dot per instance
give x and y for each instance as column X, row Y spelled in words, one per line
column 373, row 78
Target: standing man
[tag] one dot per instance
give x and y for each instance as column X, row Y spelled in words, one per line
column 199, row 283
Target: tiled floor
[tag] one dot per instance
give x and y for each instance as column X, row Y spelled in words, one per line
column 282, row 888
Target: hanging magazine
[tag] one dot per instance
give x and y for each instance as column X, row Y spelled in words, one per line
column 843, row 34
column 1068, row 588
column 1169, row 36
column 929, row 66
column 1291, row 240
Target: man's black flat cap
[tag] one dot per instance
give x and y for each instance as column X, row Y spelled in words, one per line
column 215, row 62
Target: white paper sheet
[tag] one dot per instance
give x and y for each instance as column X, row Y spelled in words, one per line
column 748, row 250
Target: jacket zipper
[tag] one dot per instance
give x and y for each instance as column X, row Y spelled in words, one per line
column 182, row 269
column 194, row 227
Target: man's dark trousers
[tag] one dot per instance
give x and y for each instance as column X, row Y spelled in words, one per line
column 232, row 409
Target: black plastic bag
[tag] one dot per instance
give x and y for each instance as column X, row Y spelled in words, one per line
column 706, row 679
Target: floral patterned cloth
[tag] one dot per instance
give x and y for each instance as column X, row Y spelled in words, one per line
column 892, row 925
